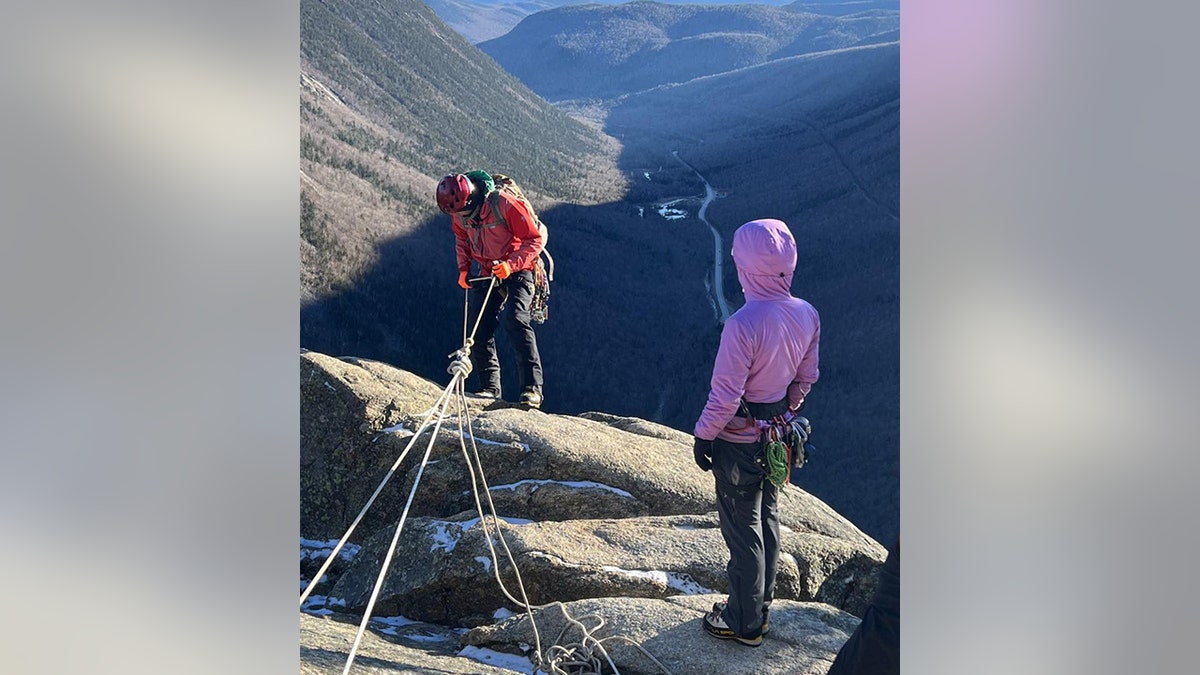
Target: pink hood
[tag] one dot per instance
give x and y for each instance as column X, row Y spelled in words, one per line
column 765, row 254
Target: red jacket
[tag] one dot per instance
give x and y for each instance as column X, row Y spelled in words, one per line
column 485, row 238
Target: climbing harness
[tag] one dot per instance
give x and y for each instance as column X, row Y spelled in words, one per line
column 583, row 657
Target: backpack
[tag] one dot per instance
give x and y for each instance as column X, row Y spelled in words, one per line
column 543, row 272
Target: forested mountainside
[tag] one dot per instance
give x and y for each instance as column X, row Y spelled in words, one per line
column 634, row 324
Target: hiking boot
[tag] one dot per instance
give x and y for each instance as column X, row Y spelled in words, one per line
column 714, row 624
column 531, row 397
column 489, row 392
column 719, row 608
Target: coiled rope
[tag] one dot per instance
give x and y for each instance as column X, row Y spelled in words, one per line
column 779, row 461
column 582, row 657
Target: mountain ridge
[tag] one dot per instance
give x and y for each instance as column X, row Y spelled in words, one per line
column 755, row 66
column 602, row 51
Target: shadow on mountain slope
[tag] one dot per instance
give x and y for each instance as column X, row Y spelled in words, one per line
column 632, row 329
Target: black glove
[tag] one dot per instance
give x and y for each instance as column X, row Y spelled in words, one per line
column 702, row 451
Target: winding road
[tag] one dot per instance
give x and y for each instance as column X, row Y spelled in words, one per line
column 717, row 288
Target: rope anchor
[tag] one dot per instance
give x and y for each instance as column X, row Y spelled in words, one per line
column 460, row 363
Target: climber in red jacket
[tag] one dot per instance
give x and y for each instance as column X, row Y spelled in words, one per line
column 503, row 245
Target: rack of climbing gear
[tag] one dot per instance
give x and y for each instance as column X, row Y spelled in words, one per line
column 785, row 445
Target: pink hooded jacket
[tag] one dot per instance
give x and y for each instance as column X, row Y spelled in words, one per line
column 769, row 346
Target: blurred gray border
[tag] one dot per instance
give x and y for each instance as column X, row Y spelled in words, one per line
column 1049, row 182
column 150, row 389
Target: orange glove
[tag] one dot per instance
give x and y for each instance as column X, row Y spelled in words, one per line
column 502, row 269
column 462, row 279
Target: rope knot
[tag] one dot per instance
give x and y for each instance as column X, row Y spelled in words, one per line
column 461, row 364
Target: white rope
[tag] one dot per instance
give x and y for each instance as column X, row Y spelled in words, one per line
column 442, row 400
column 471, row 340
column 464, row 415
column 459, row 368
column 387, row 561
column 554, row 660
column 455, row 369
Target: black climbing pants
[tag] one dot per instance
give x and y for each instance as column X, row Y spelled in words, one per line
column 510, row 299
column 874, row 647
column 748, row 506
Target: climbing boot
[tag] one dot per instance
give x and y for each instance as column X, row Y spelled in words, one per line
column 491, row 392
column 531, row 397
column 714, row 625
column 719, row 608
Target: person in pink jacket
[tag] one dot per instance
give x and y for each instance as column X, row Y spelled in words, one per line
column 765, row 366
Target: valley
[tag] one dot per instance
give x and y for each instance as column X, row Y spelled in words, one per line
column 799, row 116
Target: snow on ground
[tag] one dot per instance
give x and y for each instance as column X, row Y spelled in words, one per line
column 448, row 533
column 468, row 524
column 311, row 549
column 678, row 581
column 393, row 621
column 444, row 539
column 512, row 662
column 574, row 484
column 388, row 625
column 652, row 575
column 487, row 562
column 687, row 585
column 484, row 441
column 320, row 604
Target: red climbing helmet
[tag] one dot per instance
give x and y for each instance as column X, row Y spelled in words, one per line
column 453, row 192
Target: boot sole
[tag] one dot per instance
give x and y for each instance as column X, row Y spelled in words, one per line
column 749, row 642
column 724, row 634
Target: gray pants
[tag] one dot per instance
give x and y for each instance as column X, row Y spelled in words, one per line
column 748, row 506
